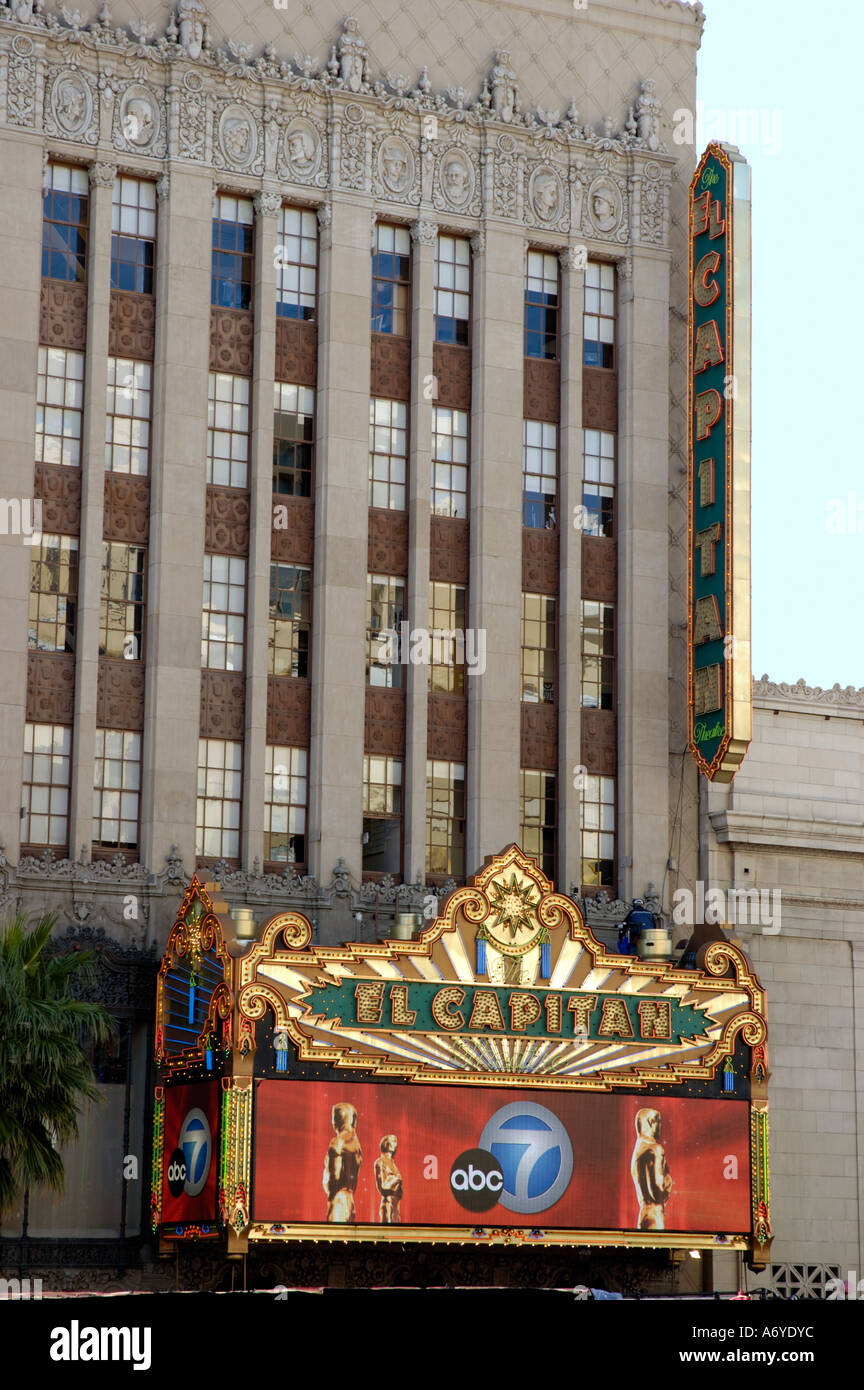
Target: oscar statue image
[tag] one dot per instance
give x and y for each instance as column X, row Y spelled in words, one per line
column 388, row 1180
column 649, row 1172
column 342, row 1164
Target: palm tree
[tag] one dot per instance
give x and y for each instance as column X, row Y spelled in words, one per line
column 44, row 1072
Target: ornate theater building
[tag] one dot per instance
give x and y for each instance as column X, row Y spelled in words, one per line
column 348, row 493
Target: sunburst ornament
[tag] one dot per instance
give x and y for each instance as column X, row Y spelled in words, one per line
column 514, row 926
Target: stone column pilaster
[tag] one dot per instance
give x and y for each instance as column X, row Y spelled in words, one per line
column 102, row 178
column 341, row 522
column 495, row 574
column 643, row 570
column 570, row 574
column 267, row 207
column 423, row 235
column 175, row 581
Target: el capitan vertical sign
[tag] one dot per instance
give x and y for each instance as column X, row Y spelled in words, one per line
column 718, row 521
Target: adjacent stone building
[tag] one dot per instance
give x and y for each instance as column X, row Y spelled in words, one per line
column 333, row 334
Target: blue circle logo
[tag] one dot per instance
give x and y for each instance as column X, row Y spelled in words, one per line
column 535, row 1154
column 196, row 1144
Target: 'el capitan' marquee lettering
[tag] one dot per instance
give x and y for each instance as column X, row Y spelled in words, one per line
column 421, row 1006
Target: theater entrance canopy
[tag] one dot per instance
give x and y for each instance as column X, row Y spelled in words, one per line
column 500, row 1077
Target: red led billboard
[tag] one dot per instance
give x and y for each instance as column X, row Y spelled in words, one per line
column 348, row 1152
column 191, row 1156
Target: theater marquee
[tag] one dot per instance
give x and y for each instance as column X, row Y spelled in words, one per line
column 718, row 559
column 500, row 1078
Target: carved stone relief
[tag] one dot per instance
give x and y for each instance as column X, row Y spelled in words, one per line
column 231, row 341
column 296, row 351
column 238, row 142
column 451, row 367
column 541, row 390
column 539, row 737
column 226, row 521
column 598, row 741
column 63, row 314
column 292, row 538
column 599, row 568
column 387, row 541
column 385, row 722
column 132, row 325
column 59, row 488
column 127, row 508
column 396, row 170
column 222, row 704
column 120, row 694
column 288, row 706
column 50, row 687
column 447, row 727
column 302, row 154
column 139, row 122
column 71, row 105
column 448, row 549
column 539, row 560
column 599, row 399
column 391, row 367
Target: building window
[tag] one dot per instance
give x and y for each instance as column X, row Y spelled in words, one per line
column 385, row 610
column 598, row 482
column 64, row 223
column 59, row 404
column 539, row 817
column 541, row 305
column 290, row 620
column 116, row 783
column 382, row 815
column 598, row 832
column 598, row 322
column 450, row 462
column 53, row 595
column 121, row 611
column 539, row 649
column 45, row 787
column 539, row 474
column 232, row 263
column 293, row 439
column 285, row 805
column 391, row 279
column 220, row 787
column 133, row 235
column 388, row 453
column 598, row 655
column 297, row 263
column 223, row 613
column 227, row 430
column 452, row 290
column 445, row 819
column 446, row 618
column 127, row 427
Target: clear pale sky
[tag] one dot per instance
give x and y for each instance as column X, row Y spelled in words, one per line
column 800, row 64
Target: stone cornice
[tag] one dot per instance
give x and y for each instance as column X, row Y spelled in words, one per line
column 847, row 698
column 320, row 124
column 814, row 835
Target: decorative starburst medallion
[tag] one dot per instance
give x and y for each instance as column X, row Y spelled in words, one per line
column 514, row 906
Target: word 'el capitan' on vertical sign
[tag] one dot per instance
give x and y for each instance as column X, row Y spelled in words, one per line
column 718, row 523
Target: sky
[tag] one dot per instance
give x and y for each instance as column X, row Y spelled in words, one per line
column 798, row 66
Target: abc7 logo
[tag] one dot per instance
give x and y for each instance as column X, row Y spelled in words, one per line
column 476, row 1180
column 177, row 1173
column 533, row 1150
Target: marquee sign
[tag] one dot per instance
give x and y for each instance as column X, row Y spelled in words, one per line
column 718, row 559
column 500, row 1076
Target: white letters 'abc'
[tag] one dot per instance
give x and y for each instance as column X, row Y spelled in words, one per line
column 535, row 1153
column 197, row 1145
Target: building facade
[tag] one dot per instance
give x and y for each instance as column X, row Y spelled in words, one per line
column 294, row 594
